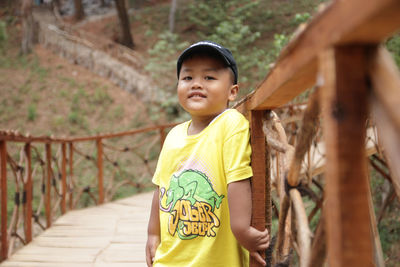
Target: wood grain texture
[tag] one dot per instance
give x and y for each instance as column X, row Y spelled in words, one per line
column 258, row 182
column 3, row 180
column 341, row 22
column 112, row 235
column 345, row 107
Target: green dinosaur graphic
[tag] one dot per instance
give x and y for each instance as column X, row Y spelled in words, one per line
column 192, row 187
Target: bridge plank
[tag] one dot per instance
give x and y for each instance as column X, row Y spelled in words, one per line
column 112, row 235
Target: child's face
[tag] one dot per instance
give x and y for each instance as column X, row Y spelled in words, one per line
column 205, row 87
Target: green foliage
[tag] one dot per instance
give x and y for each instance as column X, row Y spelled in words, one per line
column 118, row 112
column 225, row 22
column 301, row 18
column 208, row 14
column 32, row 113
column 389, row 226
column 237, row 25
column 101, row 96
column 163, row 55
column 74, row 117
column 3, row 35
column 161, row 67
column 393, row 45
column 40, row 72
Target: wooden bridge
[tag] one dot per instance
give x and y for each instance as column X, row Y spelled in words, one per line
column 109, row 235
column 354, row 85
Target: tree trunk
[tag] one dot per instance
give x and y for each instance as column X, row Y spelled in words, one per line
column 56, row 5
column 79, row 12
column 125, row 37
column 172, row 15
column 27, row 27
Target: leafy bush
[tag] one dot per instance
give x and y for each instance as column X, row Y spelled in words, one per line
column 3, row 32
column 224, row 22
column 301, row 18
column 393, row 45
column 162, row 65
column 32, row 113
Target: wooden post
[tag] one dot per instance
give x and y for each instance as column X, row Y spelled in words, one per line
column 268, row 197
column 345, row 109
column 259, row 172
column 63, row 177
column 3, row 167
column 28, row 195
column 162, row 136
column 48, row 185
column 100, row 170
column 71, row 173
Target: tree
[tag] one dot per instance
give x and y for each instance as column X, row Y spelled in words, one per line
column 102, row 3
column 125, row 37
column 27, row 27
column 79, row 12
column 172, row 15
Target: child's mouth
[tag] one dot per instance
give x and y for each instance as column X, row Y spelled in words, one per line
column 196, row 95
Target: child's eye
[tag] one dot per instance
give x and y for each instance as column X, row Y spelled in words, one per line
column 209, row 78
column 187, row 78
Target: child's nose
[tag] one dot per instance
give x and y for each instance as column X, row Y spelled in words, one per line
column 196, row 83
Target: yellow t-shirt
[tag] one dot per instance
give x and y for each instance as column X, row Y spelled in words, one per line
column 193, row 173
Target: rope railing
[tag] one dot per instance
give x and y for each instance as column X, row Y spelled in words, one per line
column 48, row 176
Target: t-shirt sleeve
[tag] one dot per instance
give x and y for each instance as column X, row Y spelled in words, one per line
column 157, row 172
column 156, row 176
column 237, row 154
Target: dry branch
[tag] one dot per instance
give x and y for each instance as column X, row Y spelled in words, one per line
column 283, row 240
column 303, row 231
column 306, row 135
column 386, row 83
column 318, row 248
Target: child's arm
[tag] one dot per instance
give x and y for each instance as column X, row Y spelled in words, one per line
column 153, row 230
column 239, row 198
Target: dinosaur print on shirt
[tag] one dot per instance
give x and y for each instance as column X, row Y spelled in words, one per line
column 191, row 201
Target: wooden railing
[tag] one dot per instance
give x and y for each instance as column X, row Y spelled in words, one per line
column 337, row 56
column 48, row 176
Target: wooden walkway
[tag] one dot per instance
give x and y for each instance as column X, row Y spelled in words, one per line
column 113, row 235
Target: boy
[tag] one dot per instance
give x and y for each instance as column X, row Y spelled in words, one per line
column 201, row 210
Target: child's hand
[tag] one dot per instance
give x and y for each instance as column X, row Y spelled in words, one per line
column 151, row 246
column 260, row 239
column 260, row 243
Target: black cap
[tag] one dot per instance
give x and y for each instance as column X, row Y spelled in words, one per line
column 225, row 53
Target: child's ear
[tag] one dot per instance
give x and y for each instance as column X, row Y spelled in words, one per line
column 233, row 91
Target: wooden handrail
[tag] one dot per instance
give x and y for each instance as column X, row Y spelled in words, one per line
column 339, row 23
column 17, row 137
column 4, row 216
